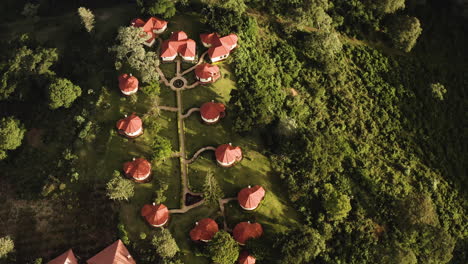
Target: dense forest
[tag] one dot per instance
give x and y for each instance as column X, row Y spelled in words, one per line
column 361, row 105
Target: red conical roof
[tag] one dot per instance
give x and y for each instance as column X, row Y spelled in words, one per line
column 211, row 110
column 206, row 70
column 66, row 258
column 179, row 35
column 139, row 169
column 250, row 197
column 155, row 214
column 209, row 38
column 227, row 154
column 246, row 258
column 204, row 230
column 155, row 23
column 128, row 83
column 116, row 253
column 130, row 124
column 245, row 231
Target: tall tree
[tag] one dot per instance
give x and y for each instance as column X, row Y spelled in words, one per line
column 6, row 246
column 388, row 6
column 404, row 32
column 119, row 188
column 211, row 190
column 164, row 8
column 11, row 135
column 165, row 244
column 62, row 93
column 300, row 245
column 130, row 50
column 87, row 18
column 223, row 249
column 25, row 64
column 336, row 204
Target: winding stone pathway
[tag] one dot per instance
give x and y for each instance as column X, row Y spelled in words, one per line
column 189, row 112
column 168, row 108
column 195, row 156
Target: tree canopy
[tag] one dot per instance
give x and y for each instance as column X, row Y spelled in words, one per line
column 119, row 188
column 129, row 49
column 300, row 245
column 87, row 18
column 223, row 249
column 11, row 135
column 165, row 244
column 6, row 246
column 404, row 32
column 62, row 93
column 212, row 192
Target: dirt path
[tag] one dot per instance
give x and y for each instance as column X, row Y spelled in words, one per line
column 168, row 108
column 195, row 156
column 189, row 112
column 200, row 61
column 181, row 131
column 222, row 202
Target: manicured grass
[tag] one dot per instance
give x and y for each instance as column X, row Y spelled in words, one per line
column 275, row 213
column 180, row 226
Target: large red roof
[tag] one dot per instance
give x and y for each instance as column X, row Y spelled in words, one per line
column 206, row 70
column 130, row 124
column 246, row 258
column 228, row 154
column 217, row 51
column 204, row 230
column 66, row 258
column 178, row 43
column 128, row 83
column 244, row 231
column 139, row 169
column 220, row 46
column 116, row 253
column 250, row 197
column 211, row 110
column 155, row 214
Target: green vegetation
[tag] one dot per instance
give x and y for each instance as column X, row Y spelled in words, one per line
column 119, row 188
column 212, row 192
column 300, row 246
column 165, row 244
column 87, row 18
column 348, row 112
column 62, row 93
column 11, row 135
column 130, row 52
column 223, row 249
column 6, row 246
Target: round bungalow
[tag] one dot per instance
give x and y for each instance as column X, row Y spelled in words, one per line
column 156, row 215
column 246, row 258
column 244, row 231
column 211, row 112
column 249, row 198
column 130, row 126
column 137, row 169
column 227, row 155
column 207, row 73
column 204, row 230
column 128, row 84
